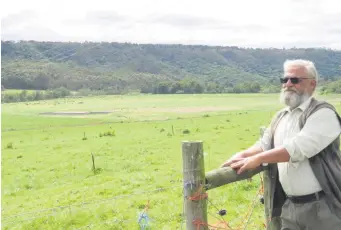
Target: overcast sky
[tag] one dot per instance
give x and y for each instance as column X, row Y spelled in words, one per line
column 244, row 23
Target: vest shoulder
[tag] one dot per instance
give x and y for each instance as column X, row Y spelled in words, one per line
column 319, row 104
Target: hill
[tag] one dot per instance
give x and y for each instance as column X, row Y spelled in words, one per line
column 122, row 67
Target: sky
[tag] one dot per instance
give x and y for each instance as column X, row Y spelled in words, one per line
column 243, row 23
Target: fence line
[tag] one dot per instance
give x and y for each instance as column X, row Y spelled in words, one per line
column 134, row 221
column 105, row 222
column 42, row 212
column 100, row 201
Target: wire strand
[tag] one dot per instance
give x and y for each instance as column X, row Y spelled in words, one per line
column 100, row 201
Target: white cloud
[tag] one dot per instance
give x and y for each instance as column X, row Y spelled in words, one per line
column 262, row 23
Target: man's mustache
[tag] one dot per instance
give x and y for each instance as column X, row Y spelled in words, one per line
column 290, row 90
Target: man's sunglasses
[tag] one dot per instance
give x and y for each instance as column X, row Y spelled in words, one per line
column 294, row 80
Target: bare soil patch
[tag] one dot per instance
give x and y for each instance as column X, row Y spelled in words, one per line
column 189, row 109
column 75, row 113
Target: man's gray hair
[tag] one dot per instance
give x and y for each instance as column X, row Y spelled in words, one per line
column 308, row 65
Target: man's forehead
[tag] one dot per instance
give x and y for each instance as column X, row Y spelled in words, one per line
column 297, row 70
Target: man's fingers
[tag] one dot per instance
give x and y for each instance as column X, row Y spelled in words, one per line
column 242, row 169
column 237, row 164
column 235, row 161
column 230, row 162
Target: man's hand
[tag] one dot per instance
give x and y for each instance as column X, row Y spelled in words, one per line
column 235, row 158
column 246, row 164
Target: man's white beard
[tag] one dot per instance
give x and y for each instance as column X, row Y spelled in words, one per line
column 292, row 98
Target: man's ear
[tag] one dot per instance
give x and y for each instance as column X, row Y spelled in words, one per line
column 313, row 84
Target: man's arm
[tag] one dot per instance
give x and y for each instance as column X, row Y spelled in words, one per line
column 319, row 131
column 253, row 150
column 276, row 155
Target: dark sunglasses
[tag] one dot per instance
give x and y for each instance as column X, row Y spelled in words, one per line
column 293, row 80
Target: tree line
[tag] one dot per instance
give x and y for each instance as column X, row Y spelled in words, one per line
column 119, row 68
column 186, row 86
column 25, row 95
column 191, row 86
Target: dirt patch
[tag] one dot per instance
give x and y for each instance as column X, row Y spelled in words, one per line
column 183, row 110
column 188, row 109
column 75, row 113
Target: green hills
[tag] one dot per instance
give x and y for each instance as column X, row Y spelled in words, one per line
column 123, row 67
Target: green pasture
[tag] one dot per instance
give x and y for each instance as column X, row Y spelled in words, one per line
column 47, row 176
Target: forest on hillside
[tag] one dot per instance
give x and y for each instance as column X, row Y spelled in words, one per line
column 117, row 68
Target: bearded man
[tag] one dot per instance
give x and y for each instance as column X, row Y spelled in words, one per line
column 301, row 148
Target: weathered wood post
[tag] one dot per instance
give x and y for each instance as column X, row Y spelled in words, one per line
column 195, row 203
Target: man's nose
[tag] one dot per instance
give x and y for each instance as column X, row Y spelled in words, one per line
column 289, row 83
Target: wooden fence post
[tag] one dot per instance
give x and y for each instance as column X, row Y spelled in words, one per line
column 195, row 203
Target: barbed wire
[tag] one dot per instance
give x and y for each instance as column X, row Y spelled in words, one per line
column 53, row 211
column 99, row 201
column 104, row 200
column 105, row 222
column 181, row 223
column 217, row 209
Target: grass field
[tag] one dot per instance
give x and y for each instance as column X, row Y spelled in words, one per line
column 47, row 176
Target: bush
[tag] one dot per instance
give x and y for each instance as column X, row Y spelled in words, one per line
column 9, row 145
column 186, row 131
column 108, row 134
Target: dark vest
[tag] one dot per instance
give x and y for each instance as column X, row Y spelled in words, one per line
column 326, row 165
